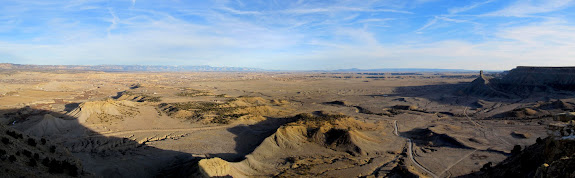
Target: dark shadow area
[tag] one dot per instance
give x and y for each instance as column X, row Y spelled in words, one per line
column 100, row 155
column 71, row 106
column 454, row 94
column 249, row 137
column 528, row 162
column 425, row 137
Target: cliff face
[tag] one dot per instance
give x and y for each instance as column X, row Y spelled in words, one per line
column 482, row 86
column 558, row 78
column 523, row 81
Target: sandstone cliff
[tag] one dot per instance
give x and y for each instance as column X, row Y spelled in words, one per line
column 523, row 81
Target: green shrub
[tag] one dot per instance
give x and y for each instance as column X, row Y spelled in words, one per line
column 5, row 140
column 12, row 158
column 31, row 142
column 32, row 162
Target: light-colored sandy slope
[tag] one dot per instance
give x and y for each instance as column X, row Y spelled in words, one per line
column 50, row 126
column 102, row 111
column 327, row 147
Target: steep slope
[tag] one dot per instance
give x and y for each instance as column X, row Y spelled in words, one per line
column 22, row 155
column 553, row 156
column 539, row 78
column 482, row 86
column 103, row 111
column 322, row 140
column 523, row 81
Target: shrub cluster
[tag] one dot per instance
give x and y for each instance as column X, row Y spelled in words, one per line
column 14, row 134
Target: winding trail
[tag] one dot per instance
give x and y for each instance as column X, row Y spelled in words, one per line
column 457, row 162
column 470, row 120
column 410, row 152
column 481, row 128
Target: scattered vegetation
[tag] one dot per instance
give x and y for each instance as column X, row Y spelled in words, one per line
column 134, row 86
column 2, row 154
column 5, row 140
column 14, row 134
column 59, row 167
column 220, row 113
column 32, row 162
column 52, row 149
column 31, row 142
column 152, row 98
column 193, row 93
column 12, row 158
column 27, row 153
column 319, row 117
column 138, row 97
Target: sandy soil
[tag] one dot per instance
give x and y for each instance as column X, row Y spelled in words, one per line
column 121, row 118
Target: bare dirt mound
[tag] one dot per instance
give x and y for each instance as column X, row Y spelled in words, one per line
column 43, row 123
column 50, row 126
column 310, row 140
column 108, row 110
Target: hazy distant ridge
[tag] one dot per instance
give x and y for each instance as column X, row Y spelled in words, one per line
column 159, row 68
column 187, row 68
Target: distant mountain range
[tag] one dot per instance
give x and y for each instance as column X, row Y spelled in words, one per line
column 124, row 68
column 403, row 70
column 187, row 68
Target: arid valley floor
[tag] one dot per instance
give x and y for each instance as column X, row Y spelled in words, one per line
column 250, row 124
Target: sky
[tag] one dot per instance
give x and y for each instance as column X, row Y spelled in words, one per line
column 290, row 34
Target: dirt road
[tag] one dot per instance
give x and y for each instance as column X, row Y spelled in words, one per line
column 410, row 152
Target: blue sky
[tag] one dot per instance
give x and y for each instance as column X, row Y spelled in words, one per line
column 291, row 34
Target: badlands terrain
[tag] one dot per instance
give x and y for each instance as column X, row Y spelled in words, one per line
column 61, row 123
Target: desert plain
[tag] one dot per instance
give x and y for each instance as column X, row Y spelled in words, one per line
column 264, row 124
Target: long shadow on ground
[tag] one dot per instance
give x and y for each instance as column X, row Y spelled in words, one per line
column 249, row 137
column 453, row 94
column 100, row 155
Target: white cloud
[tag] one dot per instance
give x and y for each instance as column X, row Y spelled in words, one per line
column 238, row 12
column 468, row 7
column 114, row 21
column 339, row 9
column 528, row 8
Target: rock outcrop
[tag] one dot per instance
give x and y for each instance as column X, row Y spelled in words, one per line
column 553, row 156
column 482, row 86
column 523, row 81
column 307, row 141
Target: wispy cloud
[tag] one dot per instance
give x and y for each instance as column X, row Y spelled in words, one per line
column 238, row 12
column 340, row 9
column 288, row 34
column 457, row 10
column 114, row 21
column 429, row 23
column 528, row 8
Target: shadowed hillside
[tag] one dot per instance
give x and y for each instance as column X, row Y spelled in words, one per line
column 59, row 146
